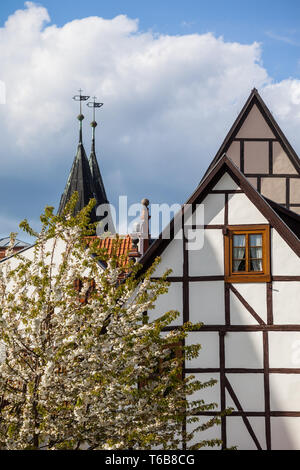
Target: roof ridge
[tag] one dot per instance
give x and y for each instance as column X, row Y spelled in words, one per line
column 254, row 98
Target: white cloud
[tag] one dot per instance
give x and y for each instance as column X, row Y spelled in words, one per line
column 168, row 100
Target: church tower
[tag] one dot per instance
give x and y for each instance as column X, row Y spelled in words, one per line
column 85, row 176
column 99, row 188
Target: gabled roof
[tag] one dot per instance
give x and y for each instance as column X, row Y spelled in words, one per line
column 4, row 242
column 291, row 219
column 256, row 99
column 19, row 246
column 124, row 246
column 80, row 180
column 220, row 168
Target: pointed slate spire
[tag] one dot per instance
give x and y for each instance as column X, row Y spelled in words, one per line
column 80, row 178
column 100, row 192
column 99, row 188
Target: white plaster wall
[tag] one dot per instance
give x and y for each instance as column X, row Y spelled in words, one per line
column 172, row 300
column 285, row 433
column 286, row 302
column 29, row 253
column 208, row 394
column 242, row 211
column 171, row 258
column 212, row 433
column 196, row 218
column 284, row 392
column 255, row 295
column 284, row 349
column 259, row 427
column 226, row 182
column 284, row 260
column 244, row 349
column 207, row 302
column 209, row 353
column 238, row 435
column 209, row 260
column 212, row 207
column 242, row 384
column 58, row 246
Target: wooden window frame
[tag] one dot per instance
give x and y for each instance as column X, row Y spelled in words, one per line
column 247, row 276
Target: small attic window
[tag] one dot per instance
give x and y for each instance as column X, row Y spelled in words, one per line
column 247, row 253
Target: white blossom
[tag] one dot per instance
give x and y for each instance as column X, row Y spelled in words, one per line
column 81, row 369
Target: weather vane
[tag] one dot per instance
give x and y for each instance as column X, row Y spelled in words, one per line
column 94, row 105
column 80, row 98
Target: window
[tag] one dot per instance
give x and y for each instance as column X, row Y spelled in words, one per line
column 247, row 253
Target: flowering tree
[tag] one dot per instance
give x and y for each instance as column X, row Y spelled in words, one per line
column 81, row 365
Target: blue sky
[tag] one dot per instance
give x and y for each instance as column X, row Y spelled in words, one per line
column 274, row 23
column 172, row 83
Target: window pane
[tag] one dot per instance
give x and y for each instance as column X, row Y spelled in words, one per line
column 255, row 265
column 239, row 253
column 239, row 240
column 255, row 252
column 239, row 265
column 255, row 239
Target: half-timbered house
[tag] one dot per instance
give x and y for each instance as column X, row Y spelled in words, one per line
column 243, row 284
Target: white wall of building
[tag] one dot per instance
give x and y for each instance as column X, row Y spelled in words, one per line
column 171, row 258
column 225, row 183
column 255, row 296
column 284, row 261
column 242, row 211
column 286, row 312
column 172, row 300
column 241, row 384
column 244, row 349
column 209, row 353
column 209, row 260
column 238, row 435
column 207, row 302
